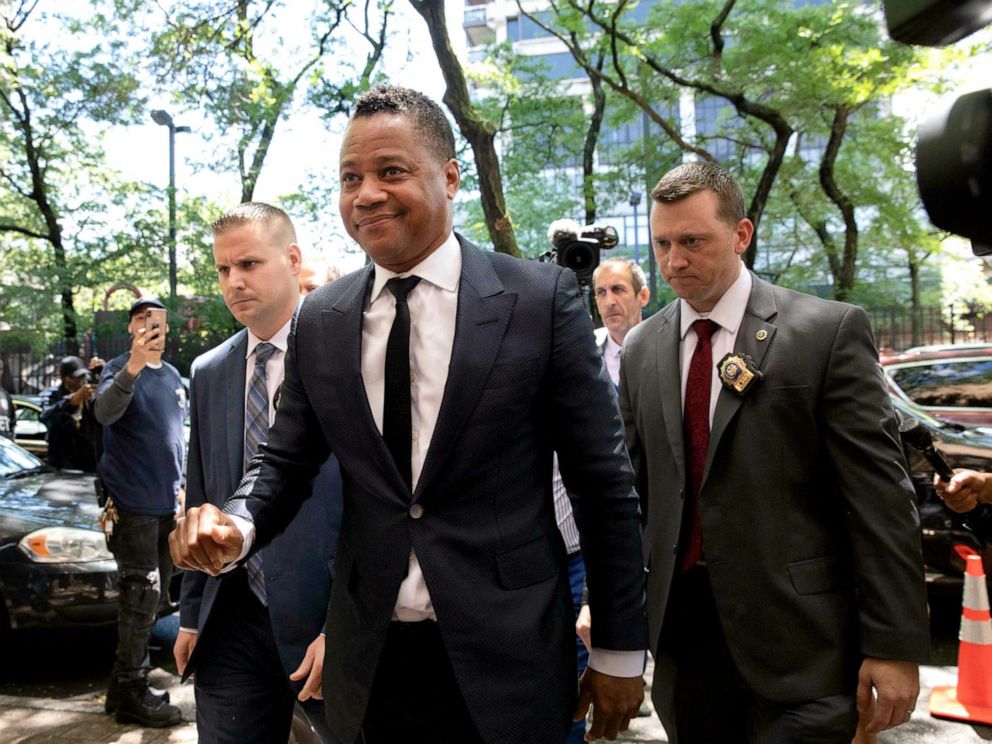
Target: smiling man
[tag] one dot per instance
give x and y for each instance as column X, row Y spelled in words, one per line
column 454, row 374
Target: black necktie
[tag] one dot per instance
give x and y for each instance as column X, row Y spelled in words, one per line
column 396, row 419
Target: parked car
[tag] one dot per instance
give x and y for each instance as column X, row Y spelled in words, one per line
column 952, row 382
column 29, row 432
column 55, row 568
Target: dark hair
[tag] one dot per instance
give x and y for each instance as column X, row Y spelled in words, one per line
column 426, row 115
column 253, row 213
column 70, row 364
column 690, row 178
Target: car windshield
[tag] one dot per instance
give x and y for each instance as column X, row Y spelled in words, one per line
column 952, row 383
column 14, row 460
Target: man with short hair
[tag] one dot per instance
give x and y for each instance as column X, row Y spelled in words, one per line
column 785, row 575
column 621, row 295
column 141, row 403
column 245, row 633
column 443, row 377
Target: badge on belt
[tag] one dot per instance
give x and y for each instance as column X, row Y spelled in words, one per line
column 738, row 373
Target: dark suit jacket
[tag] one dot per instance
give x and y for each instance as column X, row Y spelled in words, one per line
column 298, row 565
column 525, row 378
column 808, row 515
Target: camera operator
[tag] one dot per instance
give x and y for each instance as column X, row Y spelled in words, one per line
column 74, row 434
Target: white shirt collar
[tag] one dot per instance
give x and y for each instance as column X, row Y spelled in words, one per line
column 442, row 268
column 612, row 347
column 280, row 339
column 729, row 309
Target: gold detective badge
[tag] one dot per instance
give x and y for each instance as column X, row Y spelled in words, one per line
column 738, row 372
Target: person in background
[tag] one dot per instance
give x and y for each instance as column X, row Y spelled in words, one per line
column 141, row 403
column 316, row 271
column 74, row 434
column 8, row 417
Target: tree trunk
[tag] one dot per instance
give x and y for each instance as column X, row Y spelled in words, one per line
column 844, row 279
column 914, row 306
column 590, row 143
column 480, row 134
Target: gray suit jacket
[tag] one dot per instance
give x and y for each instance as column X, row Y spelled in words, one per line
column 298, row 565
column 808, row 515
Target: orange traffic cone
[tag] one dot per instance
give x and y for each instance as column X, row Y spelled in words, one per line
column 971, row 700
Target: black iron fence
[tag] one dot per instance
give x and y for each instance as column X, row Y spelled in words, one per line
column 896, row 328
column 899, row 328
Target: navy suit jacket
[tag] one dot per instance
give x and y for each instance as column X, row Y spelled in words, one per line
column 298, row 565
column 525, row 379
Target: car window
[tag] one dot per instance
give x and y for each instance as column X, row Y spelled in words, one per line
column 965, row 383
column 13, row 459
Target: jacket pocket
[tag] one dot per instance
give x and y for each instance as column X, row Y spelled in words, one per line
column 819, row 575
column 512, row 374
column 790, row 393
column 527, row 564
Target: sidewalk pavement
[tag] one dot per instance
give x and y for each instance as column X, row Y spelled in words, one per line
column 81, row 720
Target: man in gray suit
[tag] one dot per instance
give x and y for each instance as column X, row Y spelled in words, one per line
column 248, row 631
column 454, row 375
column 785, row 571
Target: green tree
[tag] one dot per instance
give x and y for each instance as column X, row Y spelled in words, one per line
column 235, row 61
column 61, row 207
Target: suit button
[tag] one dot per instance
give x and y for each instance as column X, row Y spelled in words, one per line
column 682, row 493
column 416, row 511
column 675, row 549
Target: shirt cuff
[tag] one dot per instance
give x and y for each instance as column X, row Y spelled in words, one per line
column 617, row 663
column 188, row 630
column 247, row 530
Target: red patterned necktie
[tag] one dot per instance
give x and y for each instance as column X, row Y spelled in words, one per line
column 696, row 432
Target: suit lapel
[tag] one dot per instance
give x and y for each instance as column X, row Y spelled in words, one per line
column 484, row 310
column 342, row 325
column 760, row 311
column 667, row 361
column 232, row 379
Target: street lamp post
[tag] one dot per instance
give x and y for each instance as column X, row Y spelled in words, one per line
column 635, row 201
column 162, row 118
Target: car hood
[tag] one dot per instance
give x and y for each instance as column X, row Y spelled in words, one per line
column 46, row 500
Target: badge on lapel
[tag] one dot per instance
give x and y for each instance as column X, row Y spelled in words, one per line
column 738, row 373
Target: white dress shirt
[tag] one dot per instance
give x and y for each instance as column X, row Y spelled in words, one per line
column 728, row 314
column 433, row 311
column 611, row 356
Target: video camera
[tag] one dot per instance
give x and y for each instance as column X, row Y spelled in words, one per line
column 577, row 247
column 954, row 147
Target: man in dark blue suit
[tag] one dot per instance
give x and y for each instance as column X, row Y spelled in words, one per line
column 246, row 632
column 444, row 378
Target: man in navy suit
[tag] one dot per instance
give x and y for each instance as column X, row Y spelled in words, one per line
column 453, row 376
column 247, row 633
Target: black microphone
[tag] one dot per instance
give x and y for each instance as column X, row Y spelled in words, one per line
column 915, row 434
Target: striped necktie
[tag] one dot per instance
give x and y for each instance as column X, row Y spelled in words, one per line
column 256, row 432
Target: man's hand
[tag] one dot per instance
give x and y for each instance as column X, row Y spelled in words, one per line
column 615, row 700
column 183, row 649
column 80, row 396
column 205, row 539
column 145, row 345
column 311, row 668
column 965, row 490
column 897, row 684
column 583, row 626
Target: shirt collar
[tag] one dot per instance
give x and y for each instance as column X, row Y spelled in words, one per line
column 612, row 347
column 729, row 309
column 280, row 339
column 442, row 268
